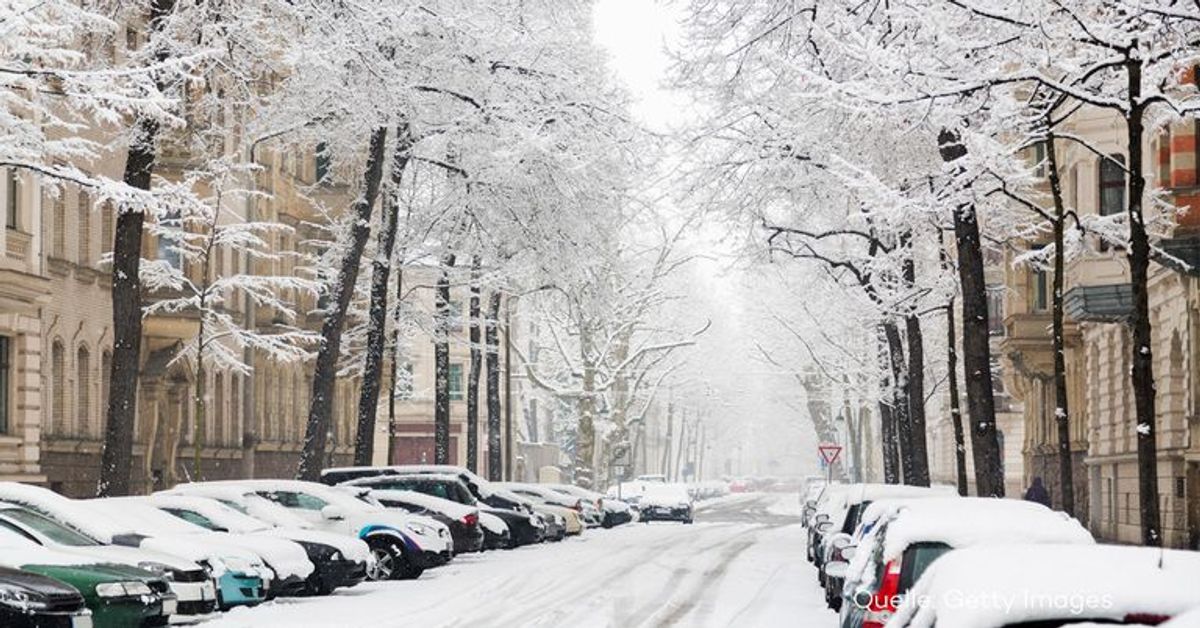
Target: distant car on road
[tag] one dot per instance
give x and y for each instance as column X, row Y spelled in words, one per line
column 666, row 502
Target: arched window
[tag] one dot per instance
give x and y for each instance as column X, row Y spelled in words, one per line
column 84, row 231
column 58, row 388
column 83, row 391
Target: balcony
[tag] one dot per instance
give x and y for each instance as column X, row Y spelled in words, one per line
column 1110, row 303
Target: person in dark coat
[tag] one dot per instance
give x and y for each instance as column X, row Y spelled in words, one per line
column 1037, row 493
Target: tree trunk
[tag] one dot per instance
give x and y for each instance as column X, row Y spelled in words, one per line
column 887, row 424
column 960, row 445
column 320, row 412
column 666, row 457
column 381, row 268
column 441, row 365
column 900, row 403
column 1143, row 355
column 977, row 355
column 1061, row 411
column 116, row 461
column 476, row 367
column 397, row 313
column 492, row 339
column 916, row 450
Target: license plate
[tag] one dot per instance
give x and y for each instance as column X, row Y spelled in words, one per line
column 81, row 621
column 169, row 606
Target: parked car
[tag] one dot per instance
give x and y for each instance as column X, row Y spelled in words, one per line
column 858, row 498
column 560, row 521
column 495, row 532
column 287, row 561
column 462, row 520
column 665, row 502
column 194, row 590
column 338, row 561
column 241, row 576
column 581, row 509
column 524, row 527
column 35, row 601
column 613, row 511
column 119, row 596
column 403, row 545
column 901, row 546
column 1052, row 585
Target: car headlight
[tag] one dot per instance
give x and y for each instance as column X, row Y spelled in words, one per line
column 122, row 589
column 21, row 598
column 158, row 569
column 420, row 528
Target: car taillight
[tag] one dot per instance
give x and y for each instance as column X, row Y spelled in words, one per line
column 471, row 520
column 883, row 603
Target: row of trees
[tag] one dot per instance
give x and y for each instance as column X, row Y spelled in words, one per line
column 479, row 140
column 871, row 138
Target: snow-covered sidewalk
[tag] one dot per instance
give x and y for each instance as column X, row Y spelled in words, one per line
column 743, row 574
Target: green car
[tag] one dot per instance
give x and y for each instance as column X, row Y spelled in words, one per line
column 119, row 596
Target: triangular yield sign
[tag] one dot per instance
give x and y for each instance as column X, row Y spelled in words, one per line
column 830, row 452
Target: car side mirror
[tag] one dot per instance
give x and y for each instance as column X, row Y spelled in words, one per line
column 837, row 569
column 333, row 513
column 822, row 517
column 848, row 552
column 824, row 526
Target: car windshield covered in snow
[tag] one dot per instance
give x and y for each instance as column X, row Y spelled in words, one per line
column 56, row 532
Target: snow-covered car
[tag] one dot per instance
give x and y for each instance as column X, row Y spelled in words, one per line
column 613, row 512
column 524, row 528
column 915, row 534
column 287, row 560
column 997, row 586
column 195, row 592
column 665, row 502
column 403, row 545
column 118, row 595
column 339, row 561
column 463, row 521
column 560, row 521
column 586, row 511
column 859, row 497
column 241, row 576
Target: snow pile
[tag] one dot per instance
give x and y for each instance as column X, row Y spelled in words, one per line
column 995, row 586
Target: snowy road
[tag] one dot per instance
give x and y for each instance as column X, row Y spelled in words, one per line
column 742, row 564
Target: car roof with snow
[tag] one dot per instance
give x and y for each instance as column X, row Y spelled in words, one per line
column 430, row 502
column 1016, row 584
column 859, row 493
column 967, row 521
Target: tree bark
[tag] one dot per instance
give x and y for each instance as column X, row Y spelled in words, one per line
column 1143, row 356
column 441, row 365
column 116, row 461
column 381, row 268
column 887, row 427
column 977, row 356
column 900, row 389
column 1061, row 412
column 960, row 444
column 492, row 340
column 320, row 412
column 916, row 449
column 476, row 367
column 397, row 314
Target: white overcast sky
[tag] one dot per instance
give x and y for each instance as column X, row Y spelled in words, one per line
column 635, row 32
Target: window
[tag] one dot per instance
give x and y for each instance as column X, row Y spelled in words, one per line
column 456, row 382
column 5, row 376
column 323, row 162
column 1039, row 159
column 1112, row 185
column 12, row 197
column 85, row 229
column 194, row 518
column 1040, row 285
column 106, row 227
column 167, row 247
column 291, row 499
column 58, row 222
column 454, row 315
column 83, row 393
column 995, row 305
column 58, row 386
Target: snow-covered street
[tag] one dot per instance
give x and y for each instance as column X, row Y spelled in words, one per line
column 741, row 564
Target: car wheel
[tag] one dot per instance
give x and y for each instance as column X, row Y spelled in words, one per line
column 389, row 560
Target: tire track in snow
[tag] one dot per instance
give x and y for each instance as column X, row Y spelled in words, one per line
column 706, row 581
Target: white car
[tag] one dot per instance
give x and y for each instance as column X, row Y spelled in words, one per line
column 194, row 590
column 339, row 560
column 1051, row 585
column 234, row 569
column 286, row 559
column 403, row 545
